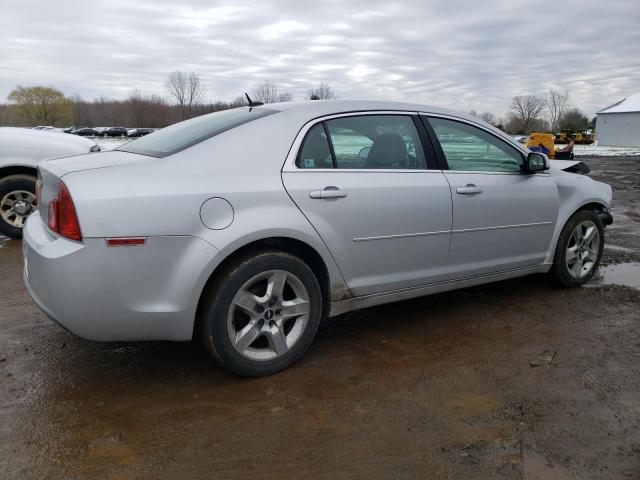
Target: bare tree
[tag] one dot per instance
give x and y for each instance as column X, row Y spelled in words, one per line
column 489, row 117
column 573, row 118
column 239, row 101
column 321, row 92
column 557, row 104
column 525, row 111
column 268, row 92
column 195, row 90
column 187, row 89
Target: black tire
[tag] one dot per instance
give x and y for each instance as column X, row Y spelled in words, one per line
column 212, row 316
column 10, row 184
column 560, row 271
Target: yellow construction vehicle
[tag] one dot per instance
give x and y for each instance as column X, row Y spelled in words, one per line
column 564, row 135
column 585, row 137
column 541, row 142
column 544, row 142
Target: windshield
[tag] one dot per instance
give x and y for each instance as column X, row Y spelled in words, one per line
column 179, row 136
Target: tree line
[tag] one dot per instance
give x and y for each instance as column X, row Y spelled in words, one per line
column 532, row 113
column 186, row 97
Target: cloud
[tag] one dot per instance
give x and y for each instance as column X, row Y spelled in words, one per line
column 282, row 29
column 462, row 55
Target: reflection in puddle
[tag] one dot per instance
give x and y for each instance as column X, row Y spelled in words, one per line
column 627, row 274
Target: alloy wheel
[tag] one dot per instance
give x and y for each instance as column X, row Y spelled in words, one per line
column 582, row 251
column 268, row 315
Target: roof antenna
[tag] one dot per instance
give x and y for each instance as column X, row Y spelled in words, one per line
column 251, row 102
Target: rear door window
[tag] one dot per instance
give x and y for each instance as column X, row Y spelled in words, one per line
column 315, row 151
column 363, row 142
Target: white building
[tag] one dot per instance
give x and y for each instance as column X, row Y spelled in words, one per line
column 619, row 124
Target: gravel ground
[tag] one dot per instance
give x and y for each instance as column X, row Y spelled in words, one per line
column 437, row 387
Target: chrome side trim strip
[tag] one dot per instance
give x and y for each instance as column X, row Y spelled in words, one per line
column 400, row 235
column 500, row 227
column 441, row 232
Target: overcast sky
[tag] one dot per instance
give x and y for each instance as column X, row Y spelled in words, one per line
column 461, row 55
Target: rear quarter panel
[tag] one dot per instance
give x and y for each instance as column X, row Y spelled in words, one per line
column 163, row 197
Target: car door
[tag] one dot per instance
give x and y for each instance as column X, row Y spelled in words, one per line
column 503, row 217
column 375, row 197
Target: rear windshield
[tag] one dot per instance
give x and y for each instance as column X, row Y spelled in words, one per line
column 179, row 136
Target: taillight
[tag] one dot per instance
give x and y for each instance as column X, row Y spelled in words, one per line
column 53, row 214
column 62, row 215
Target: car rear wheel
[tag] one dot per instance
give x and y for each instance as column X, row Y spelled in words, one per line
column 262, row 314
column 17, row 202
column 579, row 249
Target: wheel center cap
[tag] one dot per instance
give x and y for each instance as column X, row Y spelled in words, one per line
column 268, row 314
column 21, row 207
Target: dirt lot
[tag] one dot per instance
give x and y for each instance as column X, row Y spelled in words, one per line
column 439, row 387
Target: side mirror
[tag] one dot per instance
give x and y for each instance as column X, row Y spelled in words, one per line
column 536, row 162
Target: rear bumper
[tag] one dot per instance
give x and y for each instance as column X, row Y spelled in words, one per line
column 116, row 294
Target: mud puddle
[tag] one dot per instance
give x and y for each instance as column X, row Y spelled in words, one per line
column 618, row 248
column 627, row 274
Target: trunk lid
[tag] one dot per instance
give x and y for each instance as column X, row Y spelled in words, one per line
column 90, row 161
column 51, row 171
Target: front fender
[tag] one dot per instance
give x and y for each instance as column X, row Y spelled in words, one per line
column 575, row 192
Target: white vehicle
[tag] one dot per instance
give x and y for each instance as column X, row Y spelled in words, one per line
column 20, row 151
column 245, row 227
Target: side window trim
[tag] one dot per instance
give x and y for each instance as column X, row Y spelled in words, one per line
column 442, row 160
column 334, row 160
column 429, row 147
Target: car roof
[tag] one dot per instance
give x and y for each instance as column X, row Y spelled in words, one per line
column 326, row 107
column 310, row 109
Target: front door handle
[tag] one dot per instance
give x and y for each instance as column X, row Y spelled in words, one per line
column 328, row 192
column 470, row 189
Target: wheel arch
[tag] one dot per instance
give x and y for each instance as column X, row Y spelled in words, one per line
column 293, row 246
column 10, row 170
column 596, row 206
column 593, row 204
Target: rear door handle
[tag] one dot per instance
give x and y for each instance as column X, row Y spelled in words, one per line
column 470, row 189
column 328, row 192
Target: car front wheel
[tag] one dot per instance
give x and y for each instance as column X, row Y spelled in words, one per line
column 262, row 313
column 17, row 202
column 579, row 249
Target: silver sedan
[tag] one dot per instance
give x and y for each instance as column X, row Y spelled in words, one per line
column 246, row 227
